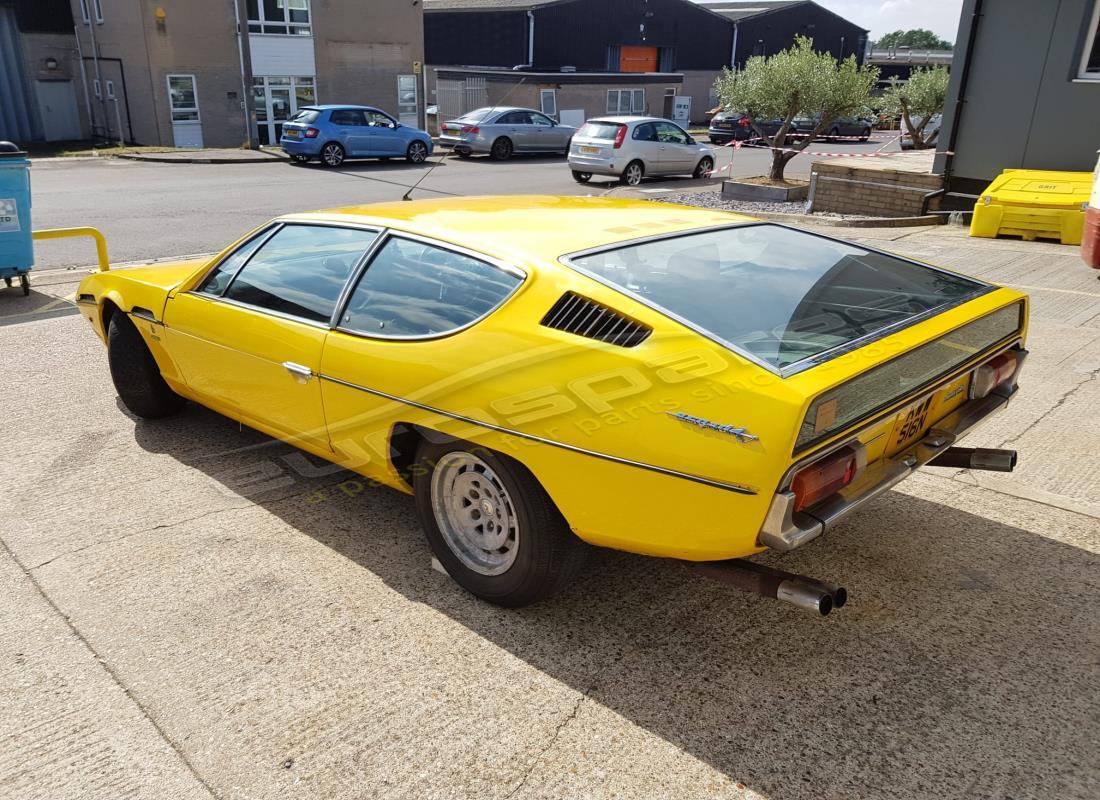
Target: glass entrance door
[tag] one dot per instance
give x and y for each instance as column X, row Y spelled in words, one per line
column 276, row 100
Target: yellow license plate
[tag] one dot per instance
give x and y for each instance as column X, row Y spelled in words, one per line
column 585, row 149
column 291, row 132
column 913, row 421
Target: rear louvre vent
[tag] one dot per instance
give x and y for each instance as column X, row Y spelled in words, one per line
column 576, row 314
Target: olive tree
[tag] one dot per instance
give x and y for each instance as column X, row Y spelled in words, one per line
column 795, row 82
column 922, row 96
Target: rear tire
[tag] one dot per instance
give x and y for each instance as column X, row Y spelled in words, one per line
column 633, row 174
column 332, row 155
column 704, row 168
column 135, row 374
column 491, row 524
column 582, row 177
column 865, row 135
column 501, row 149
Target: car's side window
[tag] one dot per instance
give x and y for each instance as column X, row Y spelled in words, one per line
column 376, row 119
column 215, row 281
column 301, row 270
column 645, row 133
column 512, row 118
column 539, row 119
column 669, row 133
column 346, row 116
column 412, row 289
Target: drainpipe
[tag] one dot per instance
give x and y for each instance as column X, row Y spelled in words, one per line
column 530, row 38
column 84, row 80
column 246, row 91
column 95, row 63
column 733, row 52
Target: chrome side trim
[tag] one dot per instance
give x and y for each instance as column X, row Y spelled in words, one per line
column 267, row 312
column 785, row 529
column 732, row 487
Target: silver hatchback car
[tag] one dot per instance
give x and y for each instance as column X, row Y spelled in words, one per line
column 631, row 148
column 505, row 130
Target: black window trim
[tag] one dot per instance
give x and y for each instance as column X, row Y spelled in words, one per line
column 267, row 234
column 798, row 366
column 390, row 234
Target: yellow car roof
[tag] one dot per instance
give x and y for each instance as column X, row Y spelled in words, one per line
column 531, row 226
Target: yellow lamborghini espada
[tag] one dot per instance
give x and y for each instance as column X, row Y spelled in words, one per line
column 544, row 373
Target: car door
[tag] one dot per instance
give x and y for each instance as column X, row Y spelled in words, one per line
column 677, row 155
column 545, row 136
column 401, row 346
column 382, row 134
column 248, row 338
column 645, row 145
column 351, row 130
column 516, row 125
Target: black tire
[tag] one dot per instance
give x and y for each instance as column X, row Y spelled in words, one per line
column 135, row 374
column 7, row 282
column 501, row 149
column 547, row 553
column 582, row 177
column 631, row 176
column 417, row 152
column 865, row 135
column 333, row 154
column 464, row 153
column 25, row 283
column 835, row 132
column 704, row 168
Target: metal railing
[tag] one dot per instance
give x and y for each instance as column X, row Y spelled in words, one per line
column 67, row 233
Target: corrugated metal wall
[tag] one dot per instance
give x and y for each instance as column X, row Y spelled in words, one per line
column 18, row 111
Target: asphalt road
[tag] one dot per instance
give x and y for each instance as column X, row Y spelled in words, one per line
column 193, row 610
column 150, row 210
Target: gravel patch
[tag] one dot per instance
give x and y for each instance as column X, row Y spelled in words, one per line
column 715, row 200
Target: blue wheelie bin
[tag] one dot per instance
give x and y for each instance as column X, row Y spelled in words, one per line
column 16, row 242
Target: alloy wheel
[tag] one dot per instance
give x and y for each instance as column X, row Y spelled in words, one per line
column 474, row 513
column 418, row 152
column 632, row 175
column 332, row 154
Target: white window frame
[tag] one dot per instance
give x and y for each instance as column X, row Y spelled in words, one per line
column 293, row 28
column 110, row 87
column 1083, row 71
column 553, row 95
column 84, row 15
column 97, row 89
column 172, row 109
column 637, row 101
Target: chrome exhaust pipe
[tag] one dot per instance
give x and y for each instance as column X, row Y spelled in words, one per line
column 976, row 458
column 809, row 594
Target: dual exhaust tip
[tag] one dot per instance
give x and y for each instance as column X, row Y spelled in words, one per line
column 809, row 594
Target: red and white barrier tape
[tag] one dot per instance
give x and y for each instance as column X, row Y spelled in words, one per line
column 877, row 154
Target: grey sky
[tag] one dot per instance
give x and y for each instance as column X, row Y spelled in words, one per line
column 883, row 16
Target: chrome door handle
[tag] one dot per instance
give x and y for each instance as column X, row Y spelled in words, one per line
column 302, row 374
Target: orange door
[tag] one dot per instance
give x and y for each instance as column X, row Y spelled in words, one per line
column 633, row 58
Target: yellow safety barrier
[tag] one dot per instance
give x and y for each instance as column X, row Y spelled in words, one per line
column 66, row 233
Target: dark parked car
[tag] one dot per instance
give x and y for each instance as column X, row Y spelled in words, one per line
column 728, row 126
column 848, row 127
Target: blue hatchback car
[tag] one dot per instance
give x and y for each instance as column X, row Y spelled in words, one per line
column 334, row 133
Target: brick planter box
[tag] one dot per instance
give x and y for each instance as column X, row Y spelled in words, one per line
column 891, row 186
column 734, row 190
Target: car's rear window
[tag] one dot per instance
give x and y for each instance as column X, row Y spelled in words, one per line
column 307, row 116
column 477, row 115
column 599, row 130
column 780, row 295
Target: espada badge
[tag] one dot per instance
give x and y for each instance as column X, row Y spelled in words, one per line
column 733, row 430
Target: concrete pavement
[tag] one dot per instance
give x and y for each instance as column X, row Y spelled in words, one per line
column 198, row 611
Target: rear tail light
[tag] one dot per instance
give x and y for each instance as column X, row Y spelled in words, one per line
column 744, row 122
column 471, row 129
column 993, row 373
column 824, row 477
column 311, row 133
column 620, row 136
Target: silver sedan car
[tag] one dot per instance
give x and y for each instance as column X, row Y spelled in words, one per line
column 631, row 148
column 505, row 130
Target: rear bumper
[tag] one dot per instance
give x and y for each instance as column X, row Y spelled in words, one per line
column 300, row 147
column 597, row 166
column 785, row 529
column 463, row 145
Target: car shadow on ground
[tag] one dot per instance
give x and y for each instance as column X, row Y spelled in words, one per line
column 964, row 665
